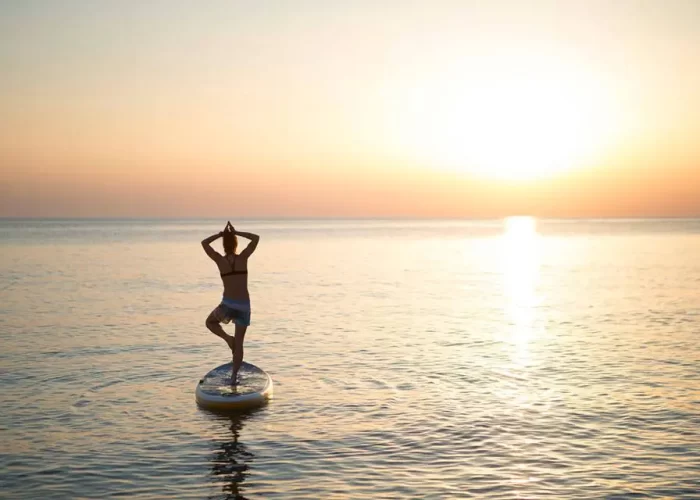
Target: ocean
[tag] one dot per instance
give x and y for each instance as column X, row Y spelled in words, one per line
column 495, row 359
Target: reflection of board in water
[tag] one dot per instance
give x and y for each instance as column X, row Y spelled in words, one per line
column 215, row 391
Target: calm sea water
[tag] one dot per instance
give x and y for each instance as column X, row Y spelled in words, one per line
column 411, row 359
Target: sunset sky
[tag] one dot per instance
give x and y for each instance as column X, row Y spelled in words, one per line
column 362, row 108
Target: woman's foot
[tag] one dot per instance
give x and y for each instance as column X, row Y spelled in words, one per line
column 230, row 341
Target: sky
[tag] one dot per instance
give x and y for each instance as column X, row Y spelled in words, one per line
column 349, row 109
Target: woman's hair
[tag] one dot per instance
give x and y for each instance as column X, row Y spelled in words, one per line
column 230, row 242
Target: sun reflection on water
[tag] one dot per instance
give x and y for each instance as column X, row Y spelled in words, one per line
column 520, row 257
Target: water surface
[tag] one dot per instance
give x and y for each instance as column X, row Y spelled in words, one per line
column 411, row 359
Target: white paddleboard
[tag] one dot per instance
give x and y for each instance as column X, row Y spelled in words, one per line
column 215, row 392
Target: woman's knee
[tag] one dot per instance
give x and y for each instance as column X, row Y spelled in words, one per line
column 210, row 323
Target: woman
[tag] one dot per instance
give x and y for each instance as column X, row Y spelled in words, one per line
column 235, row 304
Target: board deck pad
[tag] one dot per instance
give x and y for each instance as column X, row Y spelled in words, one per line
column 217, row 382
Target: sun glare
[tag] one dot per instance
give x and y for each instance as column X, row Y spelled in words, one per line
column 526, row 123
column 520, row 257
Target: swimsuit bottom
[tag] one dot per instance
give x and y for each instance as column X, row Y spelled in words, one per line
column 237, row 311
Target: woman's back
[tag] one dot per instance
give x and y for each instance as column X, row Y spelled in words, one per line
column 234, row 275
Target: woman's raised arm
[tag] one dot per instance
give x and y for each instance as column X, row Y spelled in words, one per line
column 254, row 238
column 206, row 244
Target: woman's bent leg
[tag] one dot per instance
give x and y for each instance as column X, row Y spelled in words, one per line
column 214, row 327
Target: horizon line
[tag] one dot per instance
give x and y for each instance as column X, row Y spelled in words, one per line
column 348, row 218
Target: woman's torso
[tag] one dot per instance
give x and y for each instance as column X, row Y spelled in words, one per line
column 234, row 274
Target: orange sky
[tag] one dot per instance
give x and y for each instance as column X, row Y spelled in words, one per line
column 335, row 109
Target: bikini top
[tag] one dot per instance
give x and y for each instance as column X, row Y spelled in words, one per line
column 233, row 267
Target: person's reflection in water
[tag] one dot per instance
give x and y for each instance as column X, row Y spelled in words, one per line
column 231, row 458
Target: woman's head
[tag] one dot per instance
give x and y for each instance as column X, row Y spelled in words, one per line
column 230, row 242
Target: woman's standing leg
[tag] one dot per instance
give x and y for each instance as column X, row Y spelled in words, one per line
column 238, row 351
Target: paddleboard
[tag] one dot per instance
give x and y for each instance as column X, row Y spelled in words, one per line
column 215, row 392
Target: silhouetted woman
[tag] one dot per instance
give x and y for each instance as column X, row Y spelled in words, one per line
column 235, row 304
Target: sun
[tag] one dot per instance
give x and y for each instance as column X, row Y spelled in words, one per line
column 521, row 124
